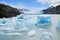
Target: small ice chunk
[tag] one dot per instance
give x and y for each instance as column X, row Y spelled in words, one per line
column 42, row 30
column 21, row 27
column 46, row 36
column 20, row 16
column 31, row 33
column 3, row 21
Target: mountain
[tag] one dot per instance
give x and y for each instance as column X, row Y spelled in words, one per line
column 52, row 10
column 7, row 11
column 24, row 9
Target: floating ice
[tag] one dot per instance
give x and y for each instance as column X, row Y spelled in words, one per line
column 6, row 29
column 20, row 26
column 16, row 33
column 42, row 30
column 58, row 25
column 3, row 21
column 20, row 23
column 20, row 16
column 46, row 36
column 44, row 21
column 30, row 21
column 31, row 33
column 1, row 32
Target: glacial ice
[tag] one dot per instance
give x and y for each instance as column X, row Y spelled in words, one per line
column 43, row 21
column 20, row 16
column 7, row 26
column 46, row 36
column 22, row 23
column 58, row 25
column 31, row 33
column 42, row 30
column 3, row 21
column 11, row 33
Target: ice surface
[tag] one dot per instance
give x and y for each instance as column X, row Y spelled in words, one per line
column 31, row 33
column 3, row 21
column 20, row 26
column 30, row 21
column 58, row 25
column 46, row 36
column 20, row 16
column 42, row 30
column 44, row 21
column 22, row 23
column 15, row 33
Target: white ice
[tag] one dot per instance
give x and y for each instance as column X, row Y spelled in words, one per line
column 46, row 36
column 31, row 33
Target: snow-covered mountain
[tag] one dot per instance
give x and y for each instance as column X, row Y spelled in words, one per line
column 52, row 10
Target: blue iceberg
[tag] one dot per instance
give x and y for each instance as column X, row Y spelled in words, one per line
column 20, row 16
column 3, row 21
column 44, row 21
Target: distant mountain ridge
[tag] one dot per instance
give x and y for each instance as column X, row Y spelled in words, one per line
column 52, row 10
column 23, row 9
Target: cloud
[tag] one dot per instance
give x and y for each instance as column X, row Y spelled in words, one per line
column 23, row 6
column 34, row 10
column 51, row 2
column 42, row 1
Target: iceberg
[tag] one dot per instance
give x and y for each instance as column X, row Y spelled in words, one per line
column 31, row 33
column 20, row 26
column 20, row 16
column 3, row 21
column 44, row 21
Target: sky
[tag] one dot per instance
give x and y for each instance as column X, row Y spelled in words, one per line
column 34, row 5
